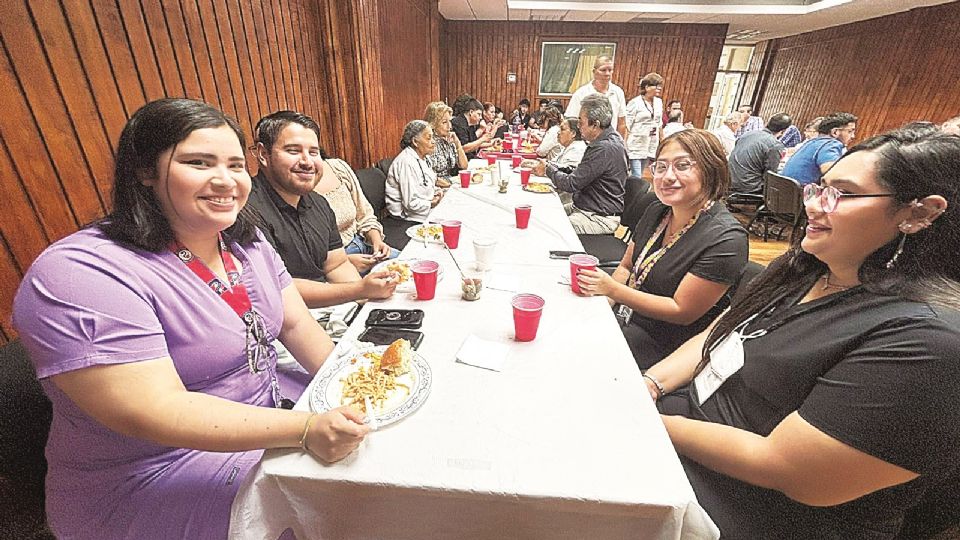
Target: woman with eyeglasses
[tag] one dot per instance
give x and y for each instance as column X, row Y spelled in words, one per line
column 150, row 332
column 824, row 403
column 687, row 251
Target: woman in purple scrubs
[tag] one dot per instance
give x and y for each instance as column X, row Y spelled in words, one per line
column 150, row 331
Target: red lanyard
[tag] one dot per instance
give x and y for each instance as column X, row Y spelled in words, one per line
column 234, row 294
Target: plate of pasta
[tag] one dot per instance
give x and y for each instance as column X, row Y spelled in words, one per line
column 394, row 377
column 431, row 233
column 401, row 267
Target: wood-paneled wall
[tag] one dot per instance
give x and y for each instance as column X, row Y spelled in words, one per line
column 476, row 57
column 73, row 71
column 888, row 71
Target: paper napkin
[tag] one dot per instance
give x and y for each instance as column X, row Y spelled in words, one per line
column 482, row 353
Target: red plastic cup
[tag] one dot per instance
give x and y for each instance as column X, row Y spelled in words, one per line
column 451, row 233
column 425, row 279
column 508, row 146
column 580, row 261
column 515, row 160
column 527, row 309
column 491, row 158
column 523, row 215
column 465, row 179
column 524, row 176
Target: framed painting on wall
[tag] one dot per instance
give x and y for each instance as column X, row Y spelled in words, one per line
column 566, row 66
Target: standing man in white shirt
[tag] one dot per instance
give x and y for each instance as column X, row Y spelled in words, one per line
column 727, row 132
column 602, row 84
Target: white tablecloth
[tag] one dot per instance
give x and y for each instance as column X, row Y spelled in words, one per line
column 563, row 443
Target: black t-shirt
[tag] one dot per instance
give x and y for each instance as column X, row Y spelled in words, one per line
column 715, row 248
column 465, row 132
column 878, row 373
column 303, row 235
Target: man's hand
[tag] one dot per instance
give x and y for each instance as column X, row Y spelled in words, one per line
column 361, row 261
column 379, row 285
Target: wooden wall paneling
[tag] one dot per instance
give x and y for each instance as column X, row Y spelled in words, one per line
column 337, row 57
column 686, row 55
column 197, row 47
column 245, row 36
column 83, row 115
column 211, row 34
column 181, row 50
column 302, row 61
column 317, row 100
column 46, row 106
column 290, row 41
column 99, row 73
column 32, row 164
column 18, row 221
column 273, row 47
column 156, row 28
column 123, row 65
column 141, row 47
column 842, row 69
column 8, row 274
column 266, row 59
column 240, row 65
column 225, row 35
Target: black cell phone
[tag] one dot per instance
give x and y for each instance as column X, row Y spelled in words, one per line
column 557, row 254
column 385, row 336
column 396, row 318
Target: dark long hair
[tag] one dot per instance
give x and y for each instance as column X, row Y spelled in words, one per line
column 137, row 218
column 912, row 164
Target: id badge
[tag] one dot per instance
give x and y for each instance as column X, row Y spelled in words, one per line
column 725, row 360
column 623, row 314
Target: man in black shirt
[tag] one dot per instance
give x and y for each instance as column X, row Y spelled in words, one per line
column 465, row 126
column 298, row 222
column 597, row 184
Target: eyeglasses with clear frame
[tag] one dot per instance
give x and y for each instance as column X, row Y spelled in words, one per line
column 830, row 196
column 681, row 166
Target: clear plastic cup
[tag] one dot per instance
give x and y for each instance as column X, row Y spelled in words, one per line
column 580, row 261
column 425, row 279
column 527, row 309
column 451, row 233
column 483, row 249
column 522, row 215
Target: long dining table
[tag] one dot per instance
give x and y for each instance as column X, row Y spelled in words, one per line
column 562, row 442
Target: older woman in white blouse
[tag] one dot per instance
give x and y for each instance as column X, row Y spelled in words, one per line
column 411, row 183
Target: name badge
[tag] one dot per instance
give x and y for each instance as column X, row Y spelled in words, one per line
column 725, row 360
column 623, row 314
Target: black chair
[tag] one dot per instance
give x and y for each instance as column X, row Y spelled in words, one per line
column 373, row 183
column 384, row 165
column 607, row 247
column 743, row 203
column 782, row 204
column 25, row 415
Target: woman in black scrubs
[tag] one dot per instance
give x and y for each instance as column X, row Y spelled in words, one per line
column 824, row 403
column 687, row 251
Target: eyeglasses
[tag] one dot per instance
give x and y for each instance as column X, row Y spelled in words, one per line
column 681, row 166
column 830, row 196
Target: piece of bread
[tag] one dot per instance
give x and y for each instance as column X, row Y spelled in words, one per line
column 396, row 359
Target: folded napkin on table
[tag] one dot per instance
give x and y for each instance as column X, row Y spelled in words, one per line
column 482, row 353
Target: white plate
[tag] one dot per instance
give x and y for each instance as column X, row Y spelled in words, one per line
column 433, row 239
column 407, row 285
column 328, row 392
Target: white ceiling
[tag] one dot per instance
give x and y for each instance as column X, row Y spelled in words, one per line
column 749, row 20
